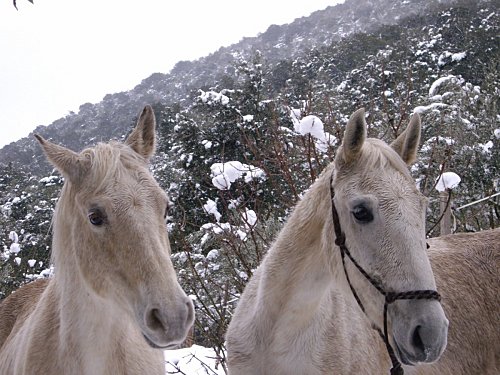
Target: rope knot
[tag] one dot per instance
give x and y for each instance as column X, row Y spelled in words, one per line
column 340, row 240
column 397, row 370
column 390, row 297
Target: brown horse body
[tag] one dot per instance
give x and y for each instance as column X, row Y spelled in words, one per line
column 467, row 268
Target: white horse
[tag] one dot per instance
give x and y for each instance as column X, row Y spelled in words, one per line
column 298, row 313
column 114, row 299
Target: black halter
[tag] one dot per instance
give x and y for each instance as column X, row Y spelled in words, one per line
column 390, row 297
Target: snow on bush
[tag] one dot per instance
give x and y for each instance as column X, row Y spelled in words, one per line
column 212, row 97
column 447, row 57
column 448, row 180
column 249, row 217
column 211, row 208
column 486, row 147
column 431, row 107
column 15, row 248
column 206, row 144
column 13, row 237
column 312, row 125
column 224, row 174
column 196, row 360
column 439, row 82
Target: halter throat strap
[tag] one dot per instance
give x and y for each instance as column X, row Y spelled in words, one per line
column 389, row 297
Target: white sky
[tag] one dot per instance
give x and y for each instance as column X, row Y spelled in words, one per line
column 58, row 54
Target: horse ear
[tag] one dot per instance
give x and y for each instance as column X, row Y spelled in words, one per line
column 143, row 137
column 70, row 164
column 406, row 144
column 354, row 136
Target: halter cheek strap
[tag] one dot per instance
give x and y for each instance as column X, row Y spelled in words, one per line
column 390, row 297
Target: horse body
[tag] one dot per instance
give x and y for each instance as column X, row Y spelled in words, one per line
column 466, row 267
column 114, row 299
column 298, row 315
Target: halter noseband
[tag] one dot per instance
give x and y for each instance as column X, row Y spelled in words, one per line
column 390, row 297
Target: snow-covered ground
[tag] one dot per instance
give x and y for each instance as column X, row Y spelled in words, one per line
column 196, row 360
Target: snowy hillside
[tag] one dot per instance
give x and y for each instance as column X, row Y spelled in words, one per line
column 278, row 45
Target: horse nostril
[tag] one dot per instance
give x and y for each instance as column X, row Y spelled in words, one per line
column 417, row 341
column 153, row 320
column 190, row 313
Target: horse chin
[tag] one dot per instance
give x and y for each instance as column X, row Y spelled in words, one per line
column 403, row 356
column 157, row 346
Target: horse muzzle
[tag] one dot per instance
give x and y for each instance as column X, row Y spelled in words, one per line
column 422, row 340
column 168, row 327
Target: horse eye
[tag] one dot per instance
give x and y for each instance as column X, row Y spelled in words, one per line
column 362, row 214
column 96, row 217
column 167, row 209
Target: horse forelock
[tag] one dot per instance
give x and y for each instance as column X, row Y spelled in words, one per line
column 109, row 161
column 375, row 155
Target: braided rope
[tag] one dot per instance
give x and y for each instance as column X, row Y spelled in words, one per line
column 390, row 297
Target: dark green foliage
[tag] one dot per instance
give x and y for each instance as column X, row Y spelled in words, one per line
column 26, row 210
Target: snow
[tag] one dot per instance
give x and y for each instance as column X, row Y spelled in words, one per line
column 13, row 237
column 447, row 57
column 311, row 125
column 448, row 180
column 328, row 140
column 342, row 86
column 17, row 260
column 439, row 82
column 431, row 107
column 212, row 255
column 32, row 262
column 224, row 174
column 212, row 97
column 458, row 56
column 206, row 144
column 196, row 360
column 248, row 118
column 211, row 208
column 15, row 248
column 221, row 182
column 217, row 228
column 497, row 133
column 486, row 146
column 49, row 181
column 250, row 217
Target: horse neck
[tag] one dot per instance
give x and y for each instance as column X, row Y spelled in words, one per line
column 304, row 265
